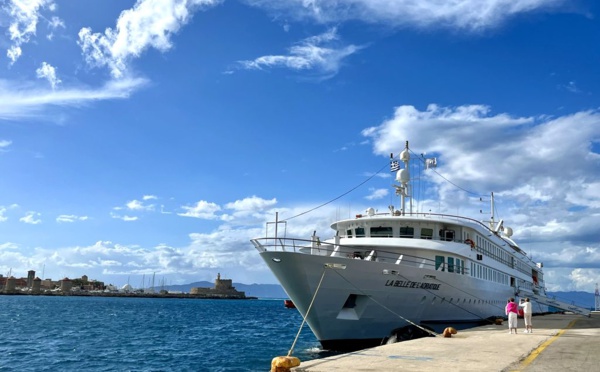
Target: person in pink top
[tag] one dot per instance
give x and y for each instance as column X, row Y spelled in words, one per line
column 511, row 311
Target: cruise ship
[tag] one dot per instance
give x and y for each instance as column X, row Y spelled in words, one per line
column 382, row 275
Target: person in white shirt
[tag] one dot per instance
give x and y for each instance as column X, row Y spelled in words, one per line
column 526, row 305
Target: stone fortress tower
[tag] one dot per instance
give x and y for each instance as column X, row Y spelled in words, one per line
column 223, row 289
column 30, row 277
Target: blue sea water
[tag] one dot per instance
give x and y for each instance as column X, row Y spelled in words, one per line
column 41, row 333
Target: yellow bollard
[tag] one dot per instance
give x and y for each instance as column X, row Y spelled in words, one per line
column 448, row 332
column 283, row 364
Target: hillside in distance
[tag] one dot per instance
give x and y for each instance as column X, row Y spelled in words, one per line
column 583, row 299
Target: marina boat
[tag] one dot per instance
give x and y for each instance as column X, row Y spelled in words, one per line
column 384, row 274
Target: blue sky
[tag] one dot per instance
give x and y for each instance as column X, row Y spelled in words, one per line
column 158, row 136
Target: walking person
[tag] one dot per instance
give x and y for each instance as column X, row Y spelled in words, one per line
column 511, row 311
column 526, row 305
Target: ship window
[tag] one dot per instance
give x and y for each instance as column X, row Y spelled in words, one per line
column 439, row 263
column 407, row 232
column 426, row 233
column 447, row 235
column 349, row 233
column 380, row 231
column 360, row 232
column 450, row 264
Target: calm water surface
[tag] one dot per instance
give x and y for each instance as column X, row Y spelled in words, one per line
column 137, row 334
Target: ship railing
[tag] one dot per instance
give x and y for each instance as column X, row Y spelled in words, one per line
column 314, row 246
column 353, row 252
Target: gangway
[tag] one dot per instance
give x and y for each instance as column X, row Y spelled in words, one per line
column 544, row 300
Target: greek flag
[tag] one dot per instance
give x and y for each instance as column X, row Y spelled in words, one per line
column 394, row 166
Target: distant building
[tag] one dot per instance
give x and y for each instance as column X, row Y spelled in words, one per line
column 65, row 285
column 12, row 283
column 37, row 285
column 222, row 288
column 30, row 277
column 85, row 284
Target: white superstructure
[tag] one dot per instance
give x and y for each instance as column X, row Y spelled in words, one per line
column 382, row 272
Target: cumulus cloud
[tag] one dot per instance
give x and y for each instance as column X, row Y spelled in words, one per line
column 24, row 15
column 125, row 218
column 48, row 72
column 70, row 218
column 253, row 203
column 377, row 194
column 317, row 53
column 136, row 205
column 149, row 24
column 202, row 209
column 465, row 14
column 4, row 145
column 53, row 24
column 30, row 218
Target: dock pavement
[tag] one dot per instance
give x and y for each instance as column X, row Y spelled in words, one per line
column 559, row 342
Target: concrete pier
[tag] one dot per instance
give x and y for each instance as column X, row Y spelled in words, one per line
column 559, row 342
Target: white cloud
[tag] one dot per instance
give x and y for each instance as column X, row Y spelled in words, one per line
column 377, row 194
column 136, row 205
column 29, row 218
column 70, row 218
column 24, row 15
column 125, row 218
column 316, row 53
column 4, row 145
column 26, row 100
column 8, row 246
column 149, row 197
column 149, row 24
column 48, row 72
column 464, row 14
column 202, row 209
column 252, row 203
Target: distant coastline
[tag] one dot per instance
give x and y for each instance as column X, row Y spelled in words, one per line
column 123, row 294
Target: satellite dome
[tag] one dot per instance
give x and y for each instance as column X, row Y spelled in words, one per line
column 508, row 231
column 405, row 155
column 403, row 176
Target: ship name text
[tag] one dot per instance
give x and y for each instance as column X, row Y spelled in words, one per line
column 411, row 284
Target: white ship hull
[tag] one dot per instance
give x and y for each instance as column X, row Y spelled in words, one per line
column 386, row 297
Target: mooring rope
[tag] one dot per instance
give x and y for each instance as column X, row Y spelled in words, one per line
column 307, row 312
column 387, row 308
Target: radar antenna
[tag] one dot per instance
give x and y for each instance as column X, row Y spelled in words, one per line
column 403, row 176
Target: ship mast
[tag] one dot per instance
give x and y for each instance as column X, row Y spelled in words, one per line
column 403, row 176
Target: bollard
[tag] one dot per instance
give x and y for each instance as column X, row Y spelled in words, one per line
column 283, row 364
column 448, row 332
